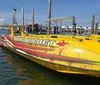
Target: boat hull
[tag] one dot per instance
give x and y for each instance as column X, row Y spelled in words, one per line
column 57, row 63
column 57, row 67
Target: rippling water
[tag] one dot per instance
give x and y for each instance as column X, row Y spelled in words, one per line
column 16, row 70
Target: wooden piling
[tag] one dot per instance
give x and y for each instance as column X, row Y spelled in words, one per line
column 49, row 16
column 92, row 24
column 32, row 20
column 96, row 28
column 22, row 18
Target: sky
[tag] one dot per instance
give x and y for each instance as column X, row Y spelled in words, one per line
column 81, row 9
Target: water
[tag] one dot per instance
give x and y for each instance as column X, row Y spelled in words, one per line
column 16, row 70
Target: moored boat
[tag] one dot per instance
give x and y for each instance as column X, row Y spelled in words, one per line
column 70, row 53
column 62, row 53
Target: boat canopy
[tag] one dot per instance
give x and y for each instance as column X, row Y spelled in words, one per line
column 60, row 19
column 9, row 25
column 57, row 29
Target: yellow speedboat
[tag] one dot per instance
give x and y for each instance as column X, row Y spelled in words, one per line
column 73, row 53
column 67, row 54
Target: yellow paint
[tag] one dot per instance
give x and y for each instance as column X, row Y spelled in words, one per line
column 62, row 68
column 76, row 47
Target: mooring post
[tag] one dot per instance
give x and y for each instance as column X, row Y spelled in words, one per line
column 56, row 28
column 60, row 26
column 14, row 16
column 49, row 16
column 92, row 24
column 96, row 28
column 22, row 18
column 73, row 20
column 98, row 19
column 32, row 20
column 73, row 26
column 98, row 23
column 14, row 19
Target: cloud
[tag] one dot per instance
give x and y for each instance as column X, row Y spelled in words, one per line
column 1, row 19
column 6, row 17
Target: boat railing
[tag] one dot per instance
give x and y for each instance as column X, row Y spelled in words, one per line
column 66, row 30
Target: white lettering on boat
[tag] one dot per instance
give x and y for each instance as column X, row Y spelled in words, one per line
column 35, row 41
